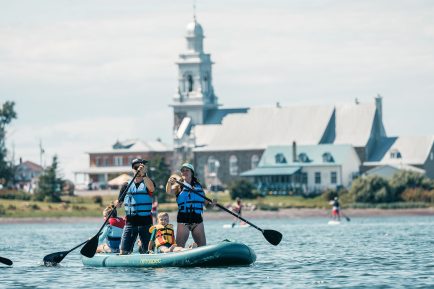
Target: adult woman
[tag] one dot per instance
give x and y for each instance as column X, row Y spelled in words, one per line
column 138, row 206
column 190, row 206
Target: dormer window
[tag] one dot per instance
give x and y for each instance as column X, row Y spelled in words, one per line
column 395, row 154
column 190, row 83
column 302, row 157
column 280, row 158
column 327, row 158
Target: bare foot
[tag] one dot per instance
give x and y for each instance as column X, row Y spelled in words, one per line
column 193, row 245
column 172, row 248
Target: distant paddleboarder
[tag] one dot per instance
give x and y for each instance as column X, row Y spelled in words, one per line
column 336, row 210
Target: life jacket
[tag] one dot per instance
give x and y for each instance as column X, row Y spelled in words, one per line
column 114, row 234
column 138, row 201
column 164, row 234
column 189, row 202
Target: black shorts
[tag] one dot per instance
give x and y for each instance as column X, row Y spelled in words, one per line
column 189, row 218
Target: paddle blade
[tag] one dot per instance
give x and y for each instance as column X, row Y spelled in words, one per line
column 54, row 258
column 347, row 218
column 6, row 261
column 89, row 249
column 272, row 236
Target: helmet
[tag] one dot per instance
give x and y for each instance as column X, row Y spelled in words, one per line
column 138, row 161
column 188, row 166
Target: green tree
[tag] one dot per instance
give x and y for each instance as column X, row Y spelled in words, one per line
column 159, row 172
column 49, row 185
column 403, row 180
column 7, row 114
column 372, row 189
column 242, row 189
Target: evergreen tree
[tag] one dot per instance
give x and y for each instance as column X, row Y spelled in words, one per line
column 7, row 114
column 49, row 185
column 159, row 172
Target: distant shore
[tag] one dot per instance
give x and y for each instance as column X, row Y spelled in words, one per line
column 251, row 215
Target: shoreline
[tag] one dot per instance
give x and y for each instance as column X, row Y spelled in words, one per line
column 215, row 215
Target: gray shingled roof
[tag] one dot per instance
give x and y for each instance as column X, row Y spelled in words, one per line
column 264, row 126
column 412, row 149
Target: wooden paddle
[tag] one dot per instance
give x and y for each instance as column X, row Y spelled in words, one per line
column 272, row 236
column 89, row 249
column 6, row 261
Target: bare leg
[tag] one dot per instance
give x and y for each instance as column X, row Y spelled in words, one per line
column 182, row 234
column 198, row 234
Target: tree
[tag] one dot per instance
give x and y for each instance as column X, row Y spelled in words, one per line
column 242, row 189
column 7, row 114
column 159, row 172
column 403, row 180
column 372, row 189
column 49, row 185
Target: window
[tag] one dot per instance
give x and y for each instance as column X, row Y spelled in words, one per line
column 280, row 158
column 233, row 165
column 98, row 161
column 327, row 158
column 395, row 154
column 190, row 83
column 317, row 178
column 304, row 178
column 333, row 178
column 105, row 162
column 254, row 161
column 118, row 161
column 303, row 158
column 213, row 165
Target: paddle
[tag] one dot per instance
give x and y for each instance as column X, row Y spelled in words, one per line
column 89, row 249
column 272, row 236
column 55, row 258
column 6, row 261
column 346, row 217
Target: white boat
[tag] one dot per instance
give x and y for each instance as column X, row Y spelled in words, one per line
column 236, row 226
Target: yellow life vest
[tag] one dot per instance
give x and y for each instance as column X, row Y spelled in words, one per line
column 164, row 234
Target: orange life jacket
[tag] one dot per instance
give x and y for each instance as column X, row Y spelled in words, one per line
column 164, row 234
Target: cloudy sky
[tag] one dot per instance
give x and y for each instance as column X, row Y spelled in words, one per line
column 86, row 73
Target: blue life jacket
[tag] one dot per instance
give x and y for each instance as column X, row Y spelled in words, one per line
column 189, row 202
column 114, row 237
column 137, row 201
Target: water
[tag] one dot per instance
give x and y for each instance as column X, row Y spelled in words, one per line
column 386, row 252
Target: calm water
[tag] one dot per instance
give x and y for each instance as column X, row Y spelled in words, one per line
column 387, row 252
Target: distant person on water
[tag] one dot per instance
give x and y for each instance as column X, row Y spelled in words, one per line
column 190, row 206
column 138, row 206
column 112, row 232
column 237, row 208
column 163, row 236
column 336, row 209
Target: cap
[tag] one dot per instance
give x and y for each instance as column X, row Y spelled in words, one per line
column 138, row 161
column 188, row 166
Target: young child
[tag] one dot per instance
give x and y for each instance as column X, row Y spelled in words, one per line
column 163, row 236
column 112, row 232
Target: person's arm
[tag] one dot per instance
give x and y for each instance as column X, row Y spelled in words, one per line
column 151, row 240
column 121, row 198
column 149, row 184
column 104, row 234
column 172, row 187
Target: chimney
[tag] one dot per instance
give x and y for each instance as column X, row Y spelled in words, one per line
column 294, row 152
column 379, row 106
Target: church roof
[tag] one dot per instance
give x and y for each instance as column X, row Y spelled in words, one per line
column 354, row 123
column 263, row 126
column 216, row 116
column 404, row 149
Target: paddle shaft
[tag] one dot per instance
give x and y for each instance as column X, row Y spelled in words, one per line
column 220, row 206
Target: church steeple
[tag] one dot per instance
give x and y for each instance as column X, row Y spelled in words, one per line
column 195, row 96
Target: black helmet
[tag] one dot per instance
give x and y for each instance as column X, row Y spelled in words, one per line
column 138, row 161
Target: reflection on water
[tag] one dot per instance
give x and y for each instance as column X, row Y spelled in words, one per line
column 389, row 252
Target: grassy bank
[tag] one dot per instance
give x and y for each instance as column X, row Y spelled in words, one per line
column 92, row 206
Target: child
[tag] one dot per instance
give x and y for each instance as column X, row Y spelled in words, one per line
column 163, row 236
column 112, row 232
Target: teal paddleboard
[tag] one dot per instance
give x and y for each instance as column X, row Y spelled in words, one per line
column 226, row 253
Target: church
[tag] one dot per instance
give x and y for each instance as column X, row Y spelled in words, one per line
column 286, row 148
column 225, row 144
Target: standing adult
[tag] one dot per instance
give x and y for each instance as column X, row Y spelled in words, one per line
column 237, row 208
column 336, row 209
column 190, row 206
column 138, row 206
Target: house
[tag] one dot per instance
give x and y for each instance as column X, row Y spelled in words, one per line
column 307, row 169
column 106, row 164
column 26, row 175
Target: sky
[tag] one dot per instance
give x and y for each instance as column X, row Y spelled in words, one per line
column 86, row 73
